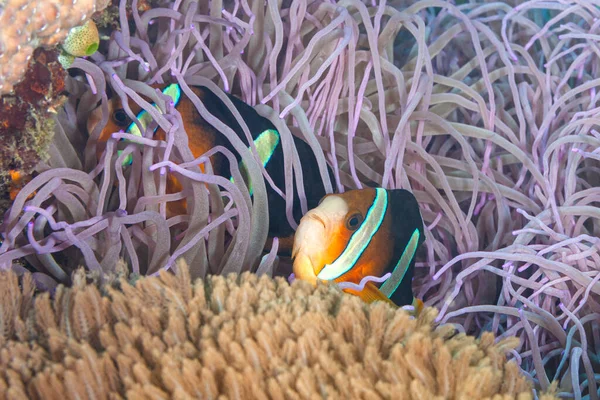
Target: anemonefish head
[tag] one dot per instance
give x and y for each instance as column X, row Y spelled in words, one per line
column 119, row 120
column 361, row 234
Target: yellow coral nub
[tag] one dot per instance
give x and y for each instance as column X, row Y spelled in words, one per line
column 65, row 59
column 82, row 40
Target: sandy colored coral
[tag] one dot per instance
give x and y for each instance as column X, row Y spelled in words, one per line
column 241, row 336
column 26, row 25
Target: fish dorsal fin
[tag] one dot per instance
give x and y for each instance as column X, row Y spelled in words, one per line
column 144, row 118
column 266, row 143
column 360, row 239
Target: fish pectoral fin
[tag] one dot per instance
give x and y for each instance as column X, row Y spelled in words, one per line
column 370, row 294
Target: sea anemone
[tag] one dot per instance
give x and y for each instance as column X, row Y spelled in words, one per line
column 487, row 112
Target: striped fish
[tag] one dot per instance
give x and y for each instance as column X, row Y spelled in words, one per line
column 202, row 137
column 368, row 235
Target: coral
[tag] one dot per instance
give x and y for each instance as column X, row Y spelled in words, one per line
column 109, row 19
column 27, row 119
column 27, row 25
column 241, row 336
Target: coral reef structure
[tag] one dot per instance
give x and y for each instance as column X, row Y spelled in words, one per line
column 241, row 336
column 27, row 121
column 26, row 25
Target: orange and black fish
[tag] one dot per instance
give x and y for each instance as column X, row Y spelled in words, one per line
column 362, row 235
column 202, row 137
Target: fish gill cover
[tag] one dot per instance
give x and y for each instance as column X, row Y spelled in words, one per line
column 487, row 112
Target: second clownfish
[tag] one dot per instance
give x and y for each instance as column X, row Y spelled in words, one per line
column 365, row 240
column 202, row 137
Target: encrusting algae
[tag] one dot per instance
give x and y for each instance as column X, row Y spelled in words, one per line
column 27, row 122
column 236, row 337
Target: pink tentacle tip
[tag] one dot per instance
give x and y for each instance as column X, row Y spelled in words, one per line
column 291, row 278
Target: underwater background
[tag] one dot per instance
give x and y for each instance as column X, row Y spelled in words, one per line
column 488, row 112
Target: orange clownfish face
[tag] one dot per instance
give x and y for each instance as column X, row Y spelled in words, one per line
column 201, row 136
column 118, row 121
column 361, row 234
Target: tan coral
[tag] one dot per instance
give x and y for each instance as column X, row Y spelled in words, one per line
column 241, row 337
column 26, row 25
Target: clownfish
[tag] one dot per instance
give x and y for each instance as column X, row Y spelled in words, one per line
column 361, row 236
column 202, row 137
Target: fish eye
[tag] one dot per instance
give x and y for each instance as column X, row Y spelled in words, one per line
column 120, row 117
column 354, row 221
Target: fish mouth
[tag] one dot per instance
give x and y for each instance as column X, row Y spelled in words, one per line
column 308, row 245
column 307, row 224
